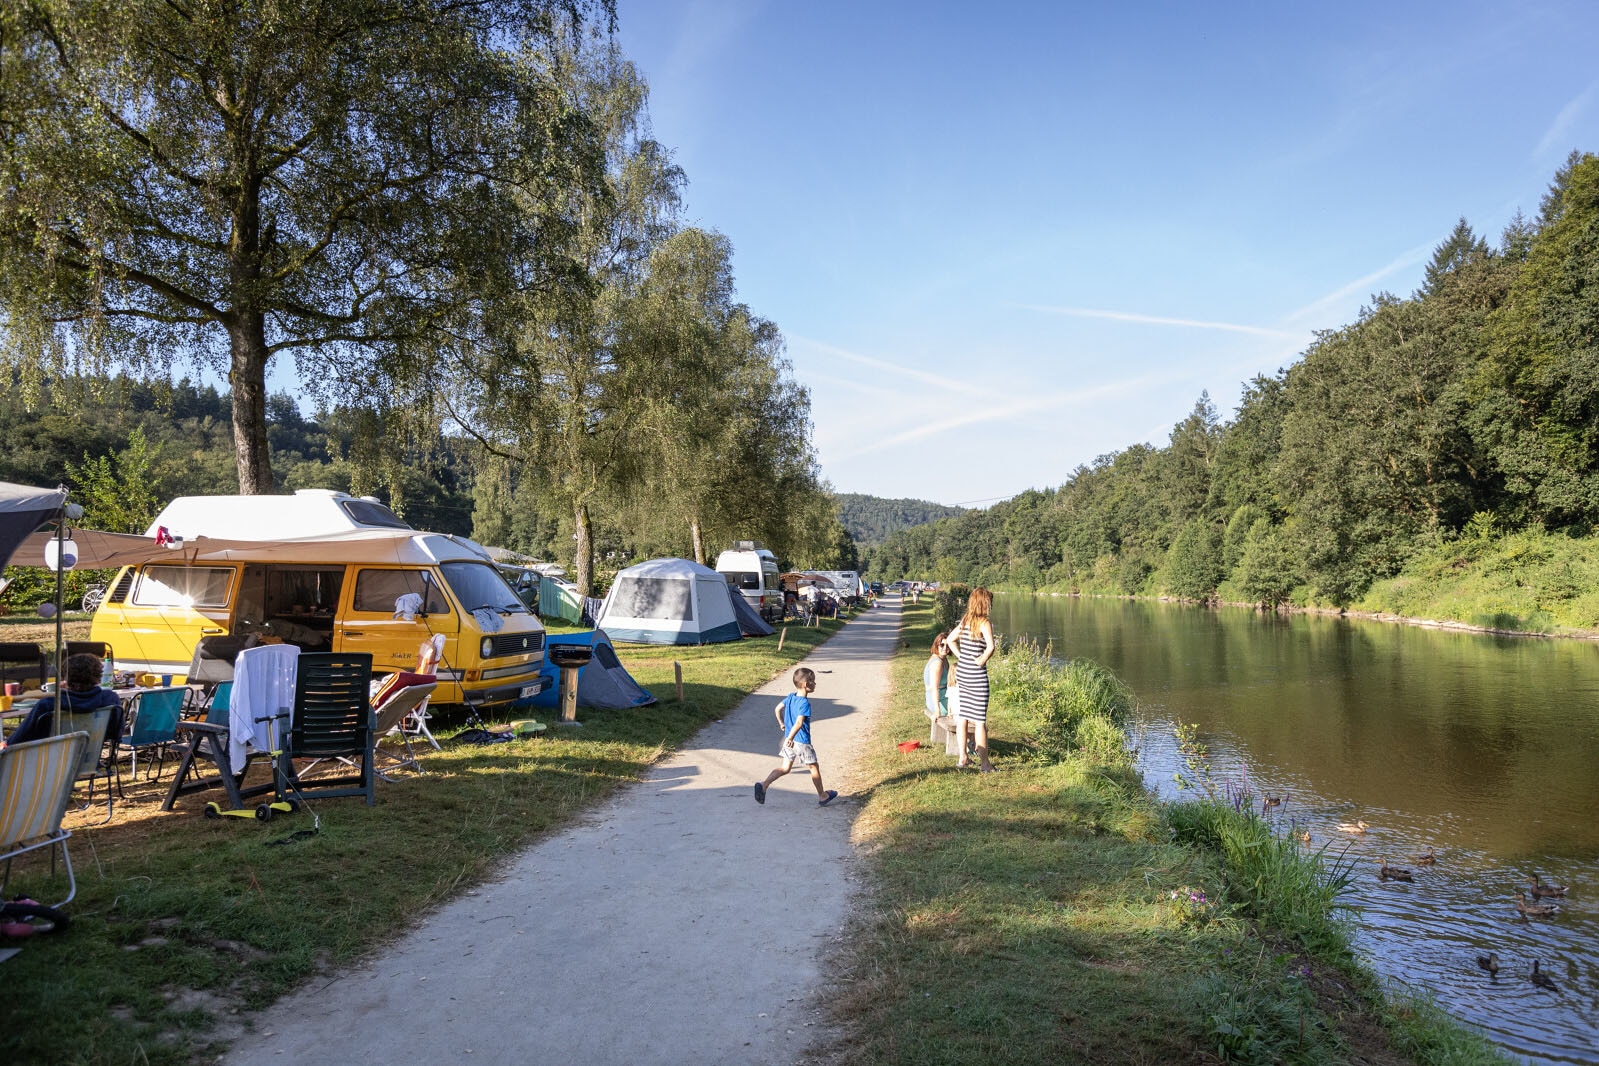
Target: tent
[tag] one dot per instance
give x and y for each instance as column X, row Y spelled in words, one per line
column 750, row 622
column 604, row 682
column 669, row 601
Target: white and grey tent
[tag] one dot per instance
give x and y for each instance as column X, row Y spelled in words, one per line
column 750, row 623
column 669, row 601
column 602, row 682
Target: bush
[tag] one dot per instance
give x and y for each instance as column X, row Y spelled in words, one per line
column 1077, row 707
column 949, row 605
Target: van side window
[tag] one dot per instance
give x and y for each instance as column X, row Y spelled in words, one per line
column 743, row 580
column 376, row 591
column 183, row 586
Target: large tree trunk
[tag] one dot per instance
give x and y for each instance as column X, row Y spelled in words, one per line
column 583, row 550
column 699, row 540
column 247, row 380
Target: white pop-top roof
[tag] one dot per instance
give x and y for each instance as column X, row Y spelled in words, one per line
column 308, row 513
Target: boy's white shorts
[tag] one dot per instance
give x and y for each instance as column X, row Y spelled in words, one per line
column 801, row 753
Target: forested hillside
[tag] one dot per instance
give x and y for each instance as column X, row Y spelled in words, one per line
column 1461, row 415
column 871, row 520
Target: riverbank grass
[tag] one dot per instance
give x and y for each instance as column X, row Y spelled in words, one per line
column 1049, row 912
column 182, row 923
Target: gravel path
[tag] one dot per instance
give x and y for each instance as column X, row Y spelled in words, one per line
column 677, row 923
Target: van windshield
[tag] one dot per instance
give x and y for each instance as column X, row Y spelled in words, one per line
column 479, row 585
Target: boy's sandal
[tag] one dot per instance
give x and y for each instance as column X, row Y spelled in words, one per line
column 760, row 792
column 832, row 794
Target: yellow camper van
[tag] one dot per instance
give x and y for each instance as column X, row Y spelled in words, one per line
column 327, row 572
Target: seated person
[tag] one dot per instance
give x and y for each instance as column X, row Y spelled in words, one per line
column 83, row 694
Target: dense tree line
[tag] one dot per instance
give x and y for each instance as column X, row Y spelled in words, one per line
column 871, row 520
column 450, row 214
column 1471, row 405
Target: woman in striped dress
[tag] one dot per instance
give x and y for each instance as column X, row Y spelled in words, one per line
column 973, row 641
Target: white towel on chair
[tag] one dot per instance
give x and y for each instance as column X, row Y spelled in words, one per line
column 263, row 686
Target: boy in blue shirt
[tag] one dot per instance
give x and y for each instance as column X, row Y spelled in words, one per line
column 794, row 719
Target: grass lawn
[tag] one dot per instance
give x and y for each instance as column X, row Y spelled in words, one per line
column 182, row 923
column 1028, row 917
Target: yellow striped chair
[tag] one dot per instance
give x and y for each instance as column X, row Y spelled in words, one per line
column 35, row 787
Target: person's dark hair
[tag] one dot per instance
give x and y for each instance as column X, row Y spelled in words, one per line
column 804, row 677
column 83, row 671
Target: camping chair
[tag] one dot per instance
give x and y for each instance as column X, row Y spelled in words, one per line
column 93, row 763
column 213, row 663
column 23, row 663
column 331, row 719
column 390, row 716
column 98, row 648
column 154, row 721
column 35, row 786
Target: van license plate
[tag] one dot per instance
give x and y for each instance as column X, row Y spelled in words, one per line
column 529, row 691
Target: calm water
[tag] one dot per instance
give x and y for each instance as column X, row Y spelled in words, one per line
column 1483, row 748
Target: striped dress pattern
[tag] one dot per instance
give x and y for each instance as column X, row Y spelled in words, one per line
column 972, row 678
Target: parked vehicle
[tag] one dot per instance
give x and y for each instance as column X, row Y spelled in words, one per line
column 327, row 572
column 753, row 571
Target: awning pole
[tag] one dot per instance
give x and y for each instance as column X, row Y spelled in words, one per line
column 60, row 694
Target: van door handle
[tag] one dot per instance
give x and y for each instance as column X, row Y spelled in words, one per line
column 210, row 632
column 354, row 633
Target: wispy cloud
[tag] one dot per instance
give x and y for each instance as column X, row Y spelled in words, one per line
column 1556, row 133
column 1156, row 320
column 1362, row 285
column 948, row 384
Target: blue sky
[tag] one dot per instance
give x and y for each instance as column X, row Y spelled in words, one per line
column 1004, row 239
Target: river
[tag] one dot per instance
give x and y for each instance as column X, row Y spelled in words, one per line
column 1484, row 749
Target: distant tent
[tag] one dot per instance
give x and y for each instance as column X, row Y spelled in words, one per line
column 560, row 599
column 669, row 601
column 750, row 622
column 604, row 682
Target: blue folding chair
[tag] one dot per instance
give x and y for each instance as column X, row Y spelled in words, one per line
column 155, row 717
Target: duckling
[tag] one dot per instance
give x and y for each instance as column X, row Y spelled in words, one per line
column 1542, row 891
column 1393, row 873
column 1541, row 979
column 1269, row 802
column 1303, row 836
column 1429, row 859
column 1534, row 910
column 1351, row 827
column 1489, row 962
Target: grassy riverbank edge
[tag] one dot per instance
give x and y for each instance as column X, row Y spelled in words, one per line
column 183, row 925
column 1049, row 913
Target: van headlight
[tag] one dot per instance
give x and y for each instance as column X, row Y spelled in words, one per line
column 487, row 647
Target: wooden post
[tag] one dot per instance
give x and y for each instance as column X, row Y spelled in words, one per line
column 782, row 635
column 677, row 668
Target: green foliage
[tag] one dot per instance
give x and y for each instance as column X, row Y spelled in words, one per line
column 344, row 183
column 1074, row 707
column 1194, row 562
column 1268, row 568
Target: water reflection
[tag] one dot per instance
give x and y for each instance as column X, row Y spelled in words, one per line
column 1482, row 748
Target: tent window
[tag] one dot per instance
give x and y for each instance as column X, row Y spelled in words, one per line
column 377, row 590
column 184, row 586
column 666, row 599
column 605, row 655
